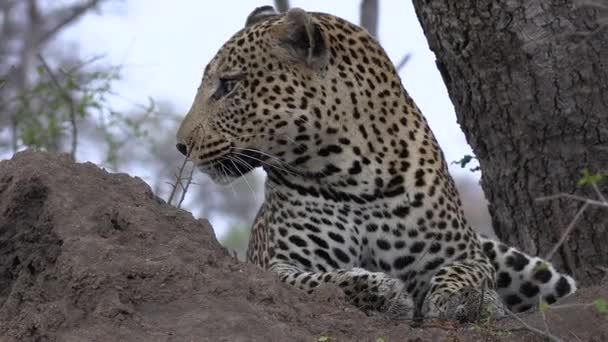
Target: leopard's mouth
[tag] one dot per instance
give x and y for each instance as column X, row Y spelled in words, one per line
column 236, row 164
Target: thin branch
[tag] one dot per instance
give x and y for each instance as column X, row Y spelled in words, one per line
column 403, row 61
column 533, row 329
column 567, row 231
column 185, row 189
column 72, row 14
column 542, row 313
column 369, row 16
column 599, row 194
column 586, row 203
column 574, row 197
column 178, row 181
column 69, row 100
column 577, row 338
column 571, row 305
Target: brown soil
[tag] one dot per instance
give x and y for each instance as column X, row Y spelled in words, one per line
column 86, row 255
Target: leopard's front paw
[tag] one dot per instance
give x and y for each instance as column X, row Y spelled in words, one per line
column 466, row 305
column 377, row 291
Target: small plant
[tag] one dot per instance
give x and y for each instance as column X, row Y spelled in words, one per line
column 601, row 305
column 591, row 179
column 543, row 306
column 543, row 266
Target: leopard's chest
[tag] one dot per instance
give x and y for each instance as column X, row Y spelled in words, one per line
column 321, row 235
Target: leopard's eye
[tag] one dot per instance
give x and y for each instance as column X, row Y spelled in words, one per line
column 225, row 87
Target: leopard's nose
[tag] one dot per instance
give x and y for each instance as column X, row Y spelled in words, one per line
column 183, row 149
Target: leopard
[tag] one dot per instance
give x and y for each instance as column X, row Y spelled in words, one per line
column 358, row 194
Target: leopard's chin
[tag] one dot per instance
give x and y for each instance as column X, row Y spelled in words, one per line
column 231, row 166
column 218, row 176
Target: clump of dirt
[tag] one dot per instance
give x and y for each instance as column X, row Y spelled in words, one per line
column 86, row 255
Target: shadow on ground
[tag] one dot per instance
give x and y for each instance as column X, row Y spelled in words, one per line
column 86, row 255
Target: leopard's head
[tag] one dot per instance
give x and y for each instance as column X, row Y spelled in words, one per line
column 288, row 92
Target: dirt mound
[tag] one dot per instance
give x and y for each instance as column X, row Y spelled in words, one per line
column 86, row 255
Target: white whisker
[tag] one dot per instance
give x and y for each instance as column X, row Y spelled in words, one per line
column 242, row 175
column 266, row 163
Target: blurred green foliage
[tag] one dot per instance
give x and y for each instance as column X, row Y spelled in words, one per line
column 236, row 240
column 51, row 111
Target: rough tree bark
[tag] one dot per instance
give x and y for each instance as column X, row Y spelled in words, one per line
column 529, row 82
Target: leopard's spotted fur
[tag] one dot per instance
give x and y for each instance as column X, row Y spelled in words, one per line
column 358, row 191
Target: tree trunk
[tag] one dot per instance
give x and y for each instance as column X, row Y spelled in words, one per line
column 369, row 16
column 529, row 82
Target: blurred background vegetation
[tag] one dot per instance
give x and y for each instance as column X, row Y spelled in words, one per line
column 52, row 98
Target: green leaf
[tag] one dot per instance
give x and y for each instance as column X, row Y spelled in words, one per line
column 543, row 266
column 380, row 339
column 601, row 305
column 543, row 306
column 588, row 179
column 323, row 339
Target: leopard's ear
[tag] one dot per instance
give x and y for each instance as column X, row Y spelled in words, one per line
column 303, row 39
column 260, row 14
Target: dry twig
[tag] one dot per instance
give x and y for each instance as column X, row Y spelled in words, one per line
column 564, row 236
column 178, row 182
column 532, row 328
column 403, row 61
column 185, row 188
column 574, row 197
column 602, row 202
column 542, row 313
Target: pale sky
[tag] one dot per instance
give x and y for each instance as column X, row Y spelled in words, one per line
column 165, row 45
